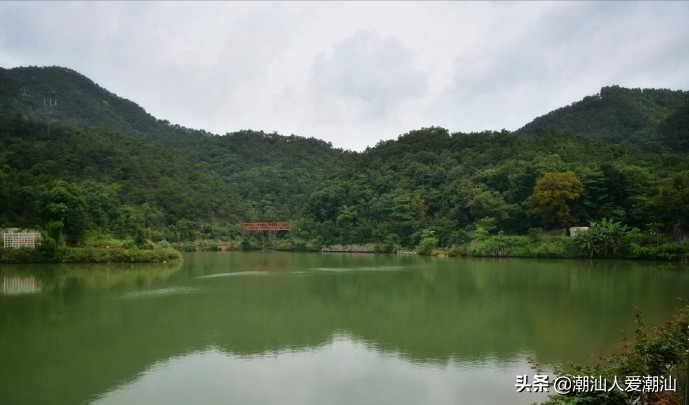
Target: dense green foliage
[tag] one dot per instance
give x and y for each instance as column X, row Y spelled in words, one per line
column 89, row 255
column 602, row 238
column 647, row 118
column 97, row 179
column 100, row 165
column 273, row 174
column 461, row 184
column 551, row 196
column 674, row 130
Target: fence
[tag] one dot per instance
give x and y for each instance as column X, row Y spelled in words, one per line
column 22, row 239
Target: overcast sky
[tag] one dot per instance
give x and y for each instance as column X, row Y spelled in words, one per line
column 353, row 73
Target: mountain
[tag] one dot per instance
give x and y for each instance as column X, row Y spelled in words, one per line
column 275, row 174
column 618, row 115
column 58, row 94
column 61, row 94
column 72, row 151
column 133, row 171
column 673, row 131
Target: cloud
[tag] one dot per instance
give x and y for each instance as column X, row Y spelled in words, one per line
column 550, row 55
column 365, row 77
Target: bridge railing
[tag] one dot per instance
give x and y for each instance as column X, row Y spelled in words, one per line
column 266, row 226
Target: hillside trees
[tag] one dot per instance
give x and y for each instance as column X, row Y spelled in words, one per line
column 84, row 177
column 673, row 132
column 672, row 205
column 65, row 203
column 495, row 181
column 620, row 115
column 105, row 165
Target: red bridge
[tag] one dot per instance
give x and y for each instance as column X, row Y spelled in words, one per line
column 266, row 226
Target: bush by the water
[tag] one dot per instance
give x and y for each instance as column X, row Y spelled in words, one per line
column 660, row 352
column 500, row 245
column 89, row 255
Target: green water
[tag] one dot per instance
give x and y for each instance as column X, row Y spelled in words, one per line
column 283, row 328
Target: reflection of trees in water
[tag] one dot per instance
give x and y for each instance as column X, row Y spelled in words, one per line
column 427, row 311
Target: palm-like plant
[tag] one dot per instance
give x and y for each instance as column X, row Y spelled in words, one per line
column 605, row 236
column 585, row 242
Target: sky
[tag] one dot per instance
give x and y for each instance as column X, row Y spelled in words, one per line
column 353, row 73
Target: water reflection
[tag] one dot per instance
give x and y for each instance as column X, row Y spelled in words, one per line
column 343, row 371
column 433, row 331
column 20, row 285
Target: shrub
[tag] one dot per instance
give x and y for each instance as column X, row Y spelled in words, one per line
column 427, row 244
column 659, row 352
column 457, row 251
column 603, row 238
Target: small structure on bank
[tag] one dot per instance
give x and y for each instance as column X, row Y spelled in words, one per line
column 576, row 229
column 17, row 238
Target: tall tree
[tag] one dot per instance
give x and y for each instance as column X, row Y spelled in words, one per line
column 551, row 195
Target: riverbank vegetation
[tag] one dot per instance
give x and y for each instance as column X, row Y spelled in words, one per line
column 107, row 170
column 659, row 352
column 89, row 255
column 615, row 242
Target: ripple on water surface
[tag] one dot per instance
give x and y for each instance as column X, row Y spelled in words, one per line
column 239, row 274
column 161, row 292
column 351, row 269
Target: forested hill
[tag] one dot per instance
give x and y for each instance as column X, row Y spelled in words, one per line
column 430, row 180
column 103, row 166
column 58, row 94
column 70, row 149
column 619, row 115
column 274, row 174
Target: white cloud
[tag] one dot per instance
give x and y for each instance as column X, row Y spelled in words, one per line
column 559, row 55
column 365, row 77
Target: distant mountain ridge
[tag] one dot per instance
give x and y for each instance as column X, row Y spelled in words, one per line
column 72, row 150
column 58, row 94
column 62, row 94
column 621, row 115
column 615, row 115
column 57, row 122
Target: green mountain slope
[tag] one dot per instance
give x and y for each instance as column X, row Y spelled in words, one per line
column 674, row 130
column 430, row 181
column 105, row 180
column 135, row 172
column 616, row 115
column 101, row 163
column 61, row 94
column 57, row 94
column 275, row 174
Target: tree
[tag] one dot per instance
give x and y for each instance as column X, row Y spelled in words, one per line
column 64, row 202
column 52, row 233
column 551, row 195
column 671, row 204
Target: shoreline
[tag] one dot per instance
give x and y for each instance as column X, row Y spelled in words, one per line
column 445, row 254
column 89, row 255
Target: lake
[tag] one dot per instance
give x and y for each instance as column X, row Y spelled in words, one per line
column 311, row 328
